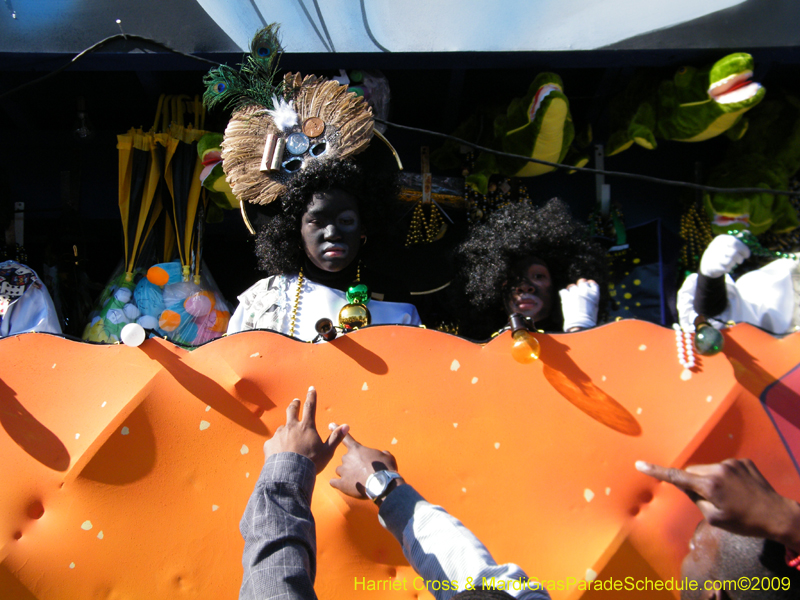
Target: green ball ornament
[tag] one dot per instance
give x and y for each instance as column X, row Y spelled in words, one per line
column 357, row 294
column 708, row 341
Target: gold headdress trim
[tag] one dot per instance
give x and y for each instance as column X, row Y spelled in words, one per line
column 348, row 130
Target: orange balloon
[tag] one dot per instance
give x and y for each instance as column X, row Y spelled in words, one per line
column 221, row 323
column 157, row 276
column 169, row 320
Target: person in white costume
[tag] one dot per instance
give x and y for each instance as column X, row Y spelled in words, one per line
column 296, row 150
column 25, row 304
column 766, row 297
column 319, row 232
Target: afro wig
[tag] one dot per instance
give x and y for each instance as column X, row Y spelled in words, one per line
column 514, row 232
column 278, row 242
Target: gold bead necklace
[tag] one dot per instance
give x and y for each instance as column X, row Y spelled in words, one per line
column 296, row 301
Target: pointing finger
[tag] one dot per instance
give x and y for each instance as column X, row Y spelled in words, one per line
column 335, row 438
column 688, row 482
column 350, row 442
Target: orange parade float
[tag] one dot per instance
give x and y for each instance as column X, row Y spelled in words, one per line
column 125, row 471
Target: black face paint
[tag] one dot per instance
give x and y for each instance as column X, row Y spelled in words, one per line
column 331, row 230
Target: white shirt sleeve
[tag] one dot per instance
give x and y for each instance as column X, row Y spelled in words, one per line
column 447, row 554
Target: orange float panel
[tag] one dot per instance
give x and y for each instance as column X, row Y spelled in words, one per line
column 126, row 470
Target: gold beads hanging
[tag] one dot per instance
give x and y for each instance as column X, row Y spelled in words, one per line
column 695, row 230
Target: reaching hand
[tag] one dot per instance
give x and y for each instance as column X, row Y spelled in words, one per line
column 723, row 255
column 300, row 435
column 358, row 463
column 734, row 495
column 579, row 304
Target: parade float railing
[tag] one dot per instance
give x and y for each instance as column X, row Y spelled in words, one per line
column 125, row 471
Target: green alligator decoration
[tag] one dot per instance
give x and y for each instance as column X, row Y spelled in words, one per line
column 767, row 157
column 695, row 105
column 213, row 177
column 539, row 125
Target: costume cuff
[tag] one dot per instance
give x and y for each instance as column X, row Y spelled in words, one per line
column 398, row 508
column 711, row 297
column 291, row 468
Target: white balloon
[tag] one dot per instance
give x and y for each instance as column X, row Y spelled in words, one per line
column 132, row 335
column 131, row 311
column 147, row 321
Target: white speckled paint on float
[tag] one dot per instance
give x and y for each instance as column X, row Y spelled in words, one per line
column 86, row 525
column 455, row 365
column 125, row 431
column 204, row 425
column 244, row 449
column 588, row 495
column 364, row 387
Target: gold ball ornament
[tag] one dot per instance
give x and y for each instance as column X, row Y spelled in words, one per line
column 353, row 316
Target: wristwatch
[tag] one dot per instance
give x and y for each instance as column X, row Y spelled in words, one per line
column 380, row 483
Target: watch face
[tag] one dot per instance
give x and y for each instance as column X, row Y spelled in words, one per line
column 376, row 484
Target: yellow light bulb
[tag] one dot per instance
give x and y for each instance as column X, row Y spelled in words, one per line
column 526, row 347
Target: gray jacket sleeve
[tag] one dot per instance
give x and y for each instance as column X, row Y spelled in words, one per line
column 280, row 545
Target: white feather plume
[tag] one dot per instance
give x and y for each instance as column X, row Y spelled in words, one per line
column 283, row 115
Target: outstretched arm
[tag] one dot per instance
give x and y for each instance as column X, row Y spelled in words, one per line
column 279, row 556
column 437, row 545
column 733, row 495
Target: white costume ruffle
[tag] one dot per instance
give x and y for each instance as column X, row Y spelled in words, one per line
column 268, row 305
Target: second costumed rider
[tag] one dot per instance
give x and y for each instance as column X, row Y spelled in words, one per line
column 524, row 259
column 293, row 154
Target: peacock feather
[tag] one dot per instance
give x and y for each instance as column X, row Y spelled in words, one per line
column 224, row 86
column 254, row 82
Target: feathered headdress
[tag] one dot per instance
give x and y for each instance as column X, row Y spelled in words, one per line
column 277, row 129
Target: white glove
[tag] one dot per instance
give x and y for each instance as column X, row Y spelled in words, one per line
column 723, row 255
column 579, row 304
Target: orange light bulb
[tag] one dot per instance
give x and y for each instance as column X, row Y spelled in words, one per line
column 526, row 347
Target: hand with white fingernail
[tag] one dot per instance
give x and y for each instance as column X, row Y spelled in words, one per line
column 300, row 435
